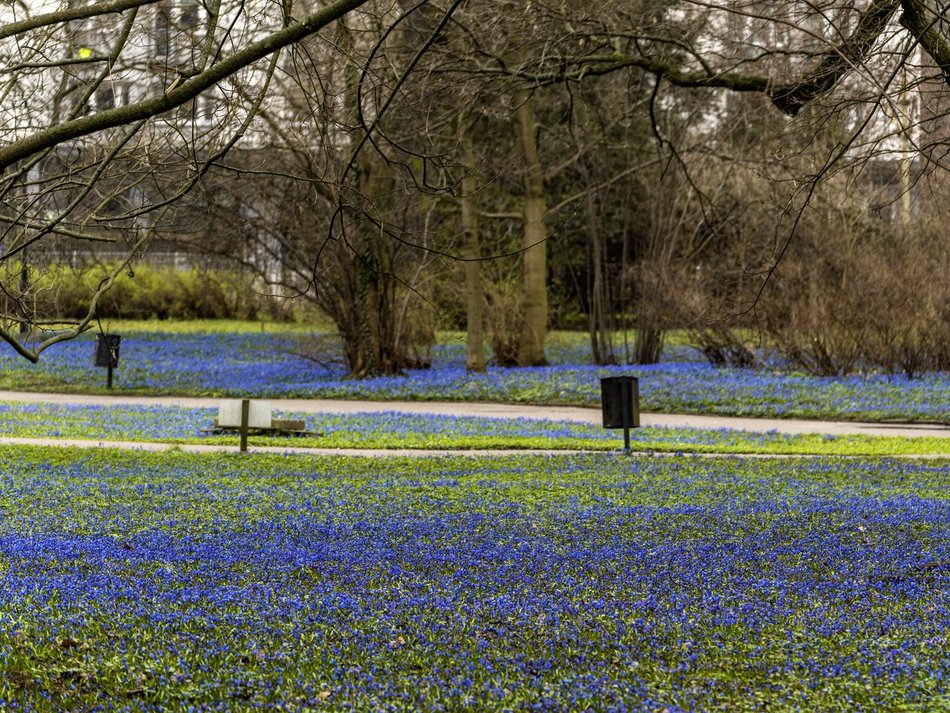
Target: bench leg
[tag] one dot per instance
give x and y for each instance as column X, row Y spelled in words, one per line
column 245, row 410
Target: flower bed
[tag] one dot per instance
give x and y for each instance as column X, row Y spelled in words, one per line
column 266, row 365
column 167, row 581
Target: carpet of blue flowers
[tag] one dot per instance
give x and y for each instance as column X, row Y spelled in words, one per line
column 136, row 581
column 269, row 365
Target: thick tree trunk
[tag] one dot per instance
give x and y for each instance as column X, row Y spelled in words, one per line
column 474, row 313
column 649, row 344
column 535, row 320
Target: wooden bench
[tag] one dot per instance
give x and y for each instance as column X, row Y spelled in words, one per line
column 254, row 416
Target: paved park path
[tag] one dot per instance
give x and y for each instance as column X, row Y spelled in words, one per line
column 577, row 414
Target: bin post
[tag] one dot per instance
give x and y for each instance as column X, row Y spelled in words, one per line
column 625, row 404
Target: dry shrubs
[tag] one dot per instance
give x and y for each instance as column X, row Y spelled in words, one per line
column 882, row 303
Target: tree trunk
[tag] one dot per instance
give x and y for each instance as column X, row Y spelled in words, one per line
column 371, row 316
column 599, row 305
column 474, row 317
column 535, row 319
column 649, row 344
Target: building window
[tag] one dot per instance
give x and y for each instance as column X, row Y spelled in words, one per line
column 189, row 15
column 105, row 97
column 162, row 29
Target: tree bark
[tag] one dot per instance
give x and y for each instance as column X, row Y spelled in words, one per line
column 535, row 319
column 474, row 316
column 600, row 330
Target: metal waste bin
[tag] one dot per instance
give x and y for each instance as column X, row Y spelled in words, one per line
column 107, row 350
column 620, row 404
column 107, row 353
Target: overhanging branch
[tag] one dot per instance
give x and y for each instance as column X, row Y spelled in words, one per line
column 75, row 12
column 788, row 97
column 914, row 19
column 186, row 91
column 57, row 230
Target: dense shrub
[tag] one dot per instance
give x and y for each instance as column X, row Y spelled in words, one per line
column 883, row 303
column 852, row 292
column 146, row 292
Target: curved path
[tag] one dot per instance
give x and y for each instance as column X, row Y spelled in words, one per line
column 496, row 410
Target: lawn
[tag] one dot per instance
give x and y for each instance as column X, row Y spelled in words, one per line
column 418, row 431
column 202, row 359
column 172, row 581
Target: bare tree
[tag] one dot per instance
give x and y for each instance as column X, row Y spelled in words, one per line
column 883, row 65
column 111, row 113
column 107, row 126
column 343, row 197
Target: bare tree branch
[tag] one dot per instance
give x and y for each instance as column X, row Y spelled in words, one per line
column 186, row 91
column 914, row 18
column 788, row 97
column 75, row 12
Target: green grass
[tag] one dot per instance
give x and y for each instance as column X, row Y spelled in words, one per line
column 658, row 440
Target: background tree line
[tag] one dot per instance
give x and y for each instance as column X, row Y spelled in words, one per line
column 771, row 170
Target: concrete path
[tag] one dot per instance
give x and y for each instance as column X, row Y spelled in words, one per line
column 495, row 410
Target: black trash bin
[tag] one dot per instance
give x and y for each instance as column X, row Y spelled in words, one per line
column 620, row 404
column 107, row 353
column 107, row 350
